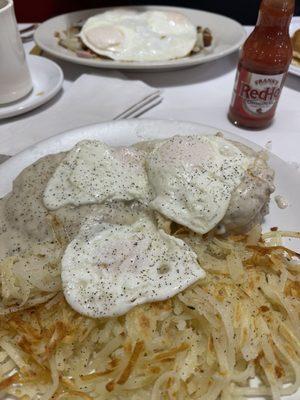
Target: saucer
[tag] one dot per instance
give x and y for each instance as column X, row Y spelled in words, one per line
column 47, row 79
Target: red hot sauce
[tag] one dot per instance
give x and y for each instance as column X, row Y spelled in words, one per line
column 263, row 65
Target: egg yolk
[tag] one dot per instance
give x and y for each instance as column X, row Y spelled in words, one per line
column 105, row 37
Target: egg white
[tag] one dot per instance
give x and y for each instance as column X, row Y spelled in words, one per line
column 131, row 36
column 109, row 269
column 93, row 172
column 193, row 179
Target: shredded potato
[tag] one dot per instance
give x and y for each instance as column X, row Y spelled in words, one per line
column 30, row 278
column 206, row 343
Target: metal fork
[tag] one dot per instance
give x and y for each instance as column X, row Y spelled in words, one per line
column 28, row 29
column 27, row 34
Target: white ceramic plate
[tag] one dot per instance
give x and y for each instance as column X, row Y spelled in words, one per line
column 132, row 131
column 228, row 34
column 47, row 78
column 294, row 69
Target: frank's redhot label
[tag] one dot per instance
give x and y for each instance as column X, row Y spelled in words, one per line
column 256, row 95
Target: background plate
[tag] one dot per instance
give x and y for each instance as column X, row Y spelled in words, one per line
column 228, row 36
column 295, row 25
column 132, row 131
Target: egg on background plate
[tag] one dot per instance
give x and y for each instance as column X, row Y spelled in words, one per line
column 134, row 36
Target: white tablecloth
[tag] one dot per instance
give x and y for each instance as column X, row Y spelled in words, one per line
column 202, row 94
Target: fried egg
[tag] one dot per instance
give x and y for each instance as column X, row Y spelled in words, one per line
column 109, row 269
column 193, row 179
column 93, row 172
column 134, row 36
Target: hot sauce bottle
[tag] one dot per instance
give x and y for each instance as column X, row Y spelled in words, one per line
column 263, row 65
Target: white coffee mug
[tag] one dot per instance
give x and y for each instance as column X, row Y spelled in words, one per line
column 15, row 80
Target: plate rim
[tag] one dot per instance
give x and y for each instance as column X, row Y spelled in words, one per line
column 39, row 100
column 160, row 65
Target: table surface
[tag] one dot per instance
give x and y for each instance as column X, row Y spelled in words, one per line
column 202, row 94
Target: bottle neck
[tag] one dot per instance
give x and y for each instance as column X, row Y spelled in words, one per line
column 276, row 14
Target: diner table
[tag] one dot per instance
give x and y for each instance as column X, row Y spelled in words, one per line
column 201, row 94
